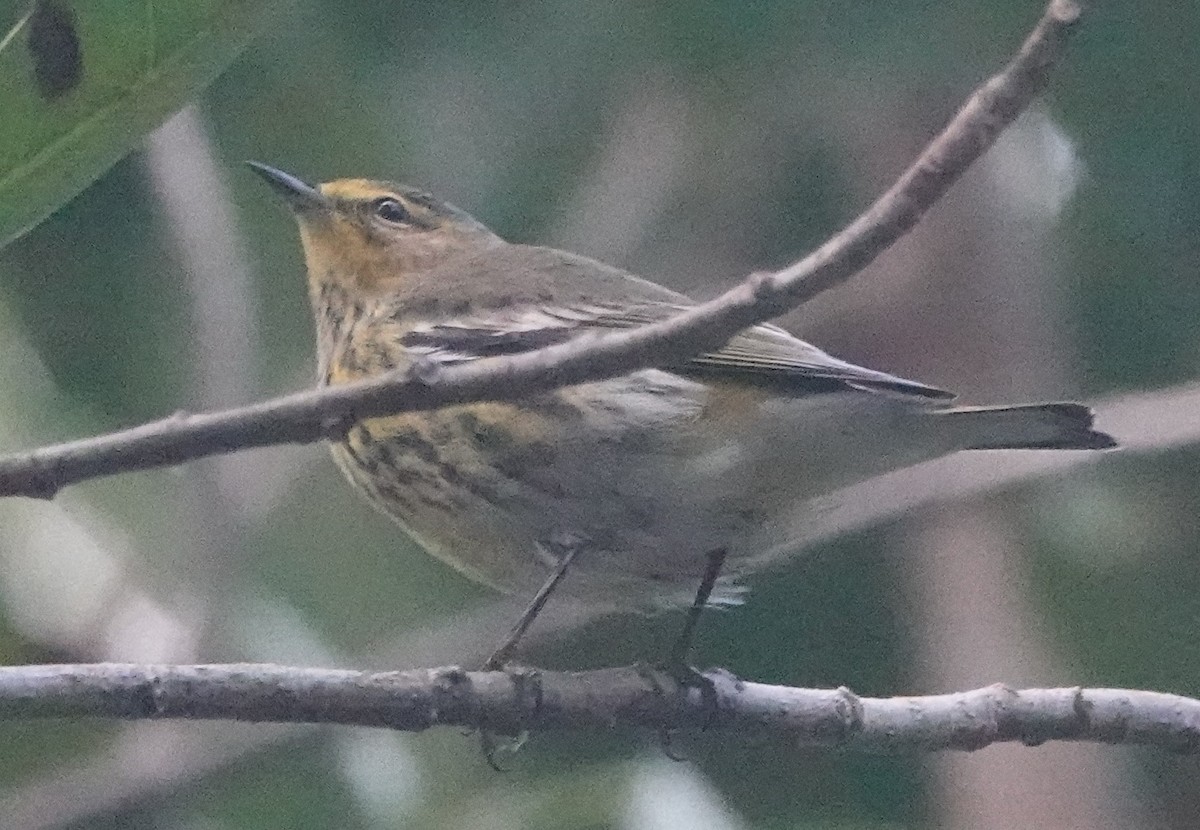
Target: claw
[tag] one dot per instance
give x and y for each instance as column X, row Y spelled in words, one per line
column 664, row 743
column 528, row 689
column 684, row 677
column 490, row 746
column 687, row 677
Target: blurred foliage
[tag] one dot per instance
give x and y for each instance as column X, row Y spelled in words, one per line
column 509, row 109
column 81, row 84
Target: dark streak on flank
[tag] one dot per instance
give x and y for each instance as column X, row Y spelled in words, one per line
column 357, row 446
column 55, row 48
column 488, row 435
column 474, row 485
column 394, row 495
column 434, row 501
column 412, row 441
column 399, row 469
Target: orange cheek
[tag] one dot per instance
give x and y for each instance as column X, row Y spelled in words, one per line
column 337, row 252
column 319, row 248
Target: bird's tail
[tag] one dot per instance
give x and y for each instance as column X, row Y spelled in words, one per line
column 1043, row 426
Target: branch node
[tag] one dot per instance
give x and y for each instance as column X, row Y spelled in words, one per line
column 450, row 678
column 1002, row 708
column 851, row 712
column 763, row 285
column 1082, row 707
column 450, row 697
column 725, row 687
column 528, row 695
column 1000, row 691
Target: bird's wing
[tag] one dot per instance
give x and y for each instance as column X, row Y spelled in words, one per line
column 763, row 354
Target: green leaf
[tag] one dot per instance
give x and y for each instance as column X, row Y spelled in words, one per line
column 81, row 81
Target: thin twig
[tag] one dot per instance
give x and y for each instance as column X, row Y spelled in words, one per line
column 330, row 412
column 519, row 700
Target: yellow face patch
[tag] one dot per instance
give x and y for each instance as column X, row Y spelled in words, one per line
column 337, row 252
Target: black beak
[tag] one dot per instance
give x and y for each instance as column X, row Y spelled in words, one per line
column 301, row 196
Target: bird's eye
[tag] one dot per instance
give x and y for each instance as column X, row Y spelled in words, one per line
column 390, row 210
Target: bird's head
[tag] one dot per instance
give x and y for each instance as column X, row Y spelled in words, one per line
column 366, row 236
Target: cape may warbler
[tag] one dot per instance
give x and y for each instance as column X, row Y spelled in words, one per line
column 645, row 475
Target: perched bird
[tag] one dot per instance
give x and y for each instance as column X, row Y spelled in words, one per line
column 646, row 482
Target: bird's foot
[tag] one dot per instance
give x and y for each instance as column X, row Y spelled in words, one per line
column 679, row 677
column 528, row 690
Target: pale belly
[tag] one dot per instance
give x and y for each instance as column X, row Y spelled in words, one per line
column 646, row 474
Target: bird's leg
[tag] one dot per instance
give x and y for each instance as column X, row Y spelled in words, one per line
column 679, row 664
column 680, row 657
column 505, row 650
column 500, row 657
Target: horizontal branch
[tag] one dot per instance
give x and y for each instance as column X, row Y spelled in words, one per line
column 329, row 413
column 517, row 700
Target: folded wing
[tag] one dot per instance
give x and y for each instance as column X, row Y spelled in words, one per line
column 764, row 354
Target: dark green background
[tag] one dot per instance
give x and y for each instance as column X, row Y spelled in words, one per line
column 757, row 128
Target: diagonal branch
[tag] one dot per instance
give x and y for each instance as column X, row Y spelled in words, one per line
column 329, row 413
column 524, row 699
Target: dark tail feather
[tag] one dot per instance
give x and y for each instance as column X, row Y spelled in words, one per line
column 1044, row 426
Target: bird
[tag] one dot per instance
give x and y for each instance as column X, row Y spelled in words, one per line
column 647, row 484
